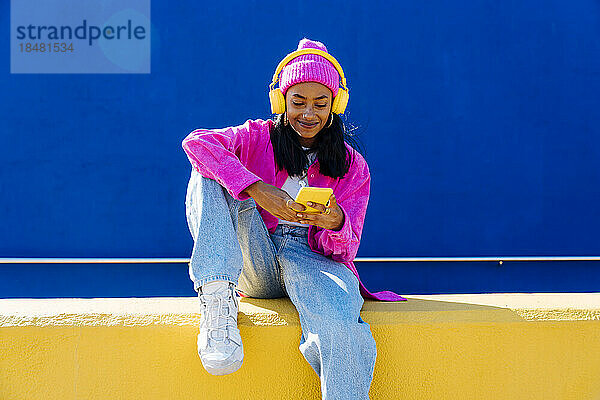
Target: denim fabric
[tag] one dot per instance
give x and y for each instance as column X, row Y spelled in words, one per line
column 231, row 242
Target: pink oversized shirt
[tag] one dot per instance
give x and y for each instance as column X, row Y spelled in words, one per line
column 238, row 156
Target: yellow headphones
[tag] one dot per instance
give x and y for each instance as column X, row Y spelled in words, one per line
column 278, row 99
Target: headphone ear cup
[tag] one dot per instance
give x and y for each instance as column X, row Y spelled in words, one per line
column 277, row 101
column 340, row 102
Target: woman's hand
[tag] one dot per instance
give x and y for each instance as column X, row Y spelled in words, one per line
column 275, row 201
column 329, row 217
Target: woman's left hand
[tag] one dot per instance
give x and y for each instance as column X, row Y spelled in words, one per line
column 329, row 217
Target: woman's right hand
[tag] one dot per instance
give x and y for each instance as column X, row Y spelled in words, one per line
column 275, row 201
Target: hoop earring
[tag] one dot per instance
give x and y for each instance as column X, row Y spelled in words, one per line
column 330, row 122
column 285, row 120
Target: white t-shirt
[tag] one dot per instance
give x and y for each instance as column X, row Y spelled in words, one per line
column 292, row 186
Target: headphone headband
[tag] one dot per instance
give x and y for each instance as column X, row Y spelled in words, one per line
column 301, row 52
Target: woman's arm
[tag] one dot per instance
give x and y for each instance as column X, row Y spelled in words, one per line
column 216, row 153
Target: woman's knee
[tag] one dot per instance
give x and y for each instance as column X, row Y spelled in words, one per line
column 332, row 302
column 202, row 186
column 339, row 335
column 233, row 203
column 198, row 187
column 207, row 184
column 342, row 311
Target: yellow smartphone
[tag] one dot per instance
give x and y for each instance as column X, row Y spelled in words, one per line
column 315, row 195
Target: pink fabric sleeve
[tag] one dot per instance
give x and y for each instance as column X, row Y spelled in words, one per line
column 352, row 195
column 216, row 154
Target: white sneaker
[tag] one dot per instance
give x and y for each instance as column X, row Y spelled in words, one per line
column 219, row 341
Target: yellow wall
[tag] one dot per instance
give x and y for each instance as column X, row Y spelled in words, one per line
column 536, row 346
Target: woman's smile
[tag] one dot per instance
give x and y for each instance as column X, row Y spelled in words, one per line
column 308, row 125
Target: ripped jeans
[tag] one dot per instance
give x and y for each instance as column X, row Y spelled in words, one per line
column 231, row 242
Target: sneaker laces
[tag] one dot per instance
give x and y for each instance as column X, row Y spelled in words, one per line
column 218, row 308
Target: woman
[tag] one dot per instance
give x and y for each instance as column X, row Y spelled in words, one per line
column 250, row 236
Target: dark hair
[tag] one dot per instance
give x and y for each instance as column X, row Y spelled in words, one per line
column 334, row 158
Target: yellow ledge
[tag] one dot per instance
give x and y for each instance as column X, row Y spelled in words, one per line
column 463, row 346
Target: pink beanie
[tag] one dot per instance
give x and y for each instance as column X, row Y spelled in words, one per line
column 309, row 68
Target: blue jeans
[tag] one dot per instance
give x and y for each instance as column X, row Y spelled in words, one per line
column 231, row 242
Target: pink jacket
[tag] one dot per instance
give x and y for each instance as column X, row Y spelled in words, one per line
column 240, row 155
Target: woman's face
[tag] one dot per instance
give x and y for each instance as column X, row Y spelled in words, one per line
column 308, row 105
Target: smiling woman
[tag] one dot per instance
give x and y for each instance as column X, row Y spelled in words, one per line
column 251, row 237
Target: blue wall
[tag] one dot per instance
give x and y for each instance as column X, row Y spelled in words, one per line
column 480, row 121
